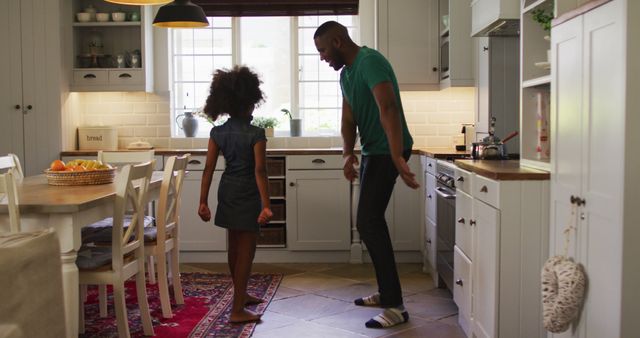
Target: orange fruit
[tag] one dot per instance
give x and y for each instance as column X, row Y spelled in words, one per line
column 57, row 165
column 78, row 168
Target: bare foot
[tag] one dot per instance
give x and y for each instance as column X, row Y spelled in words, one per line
column 244, row 316
column 251, row 300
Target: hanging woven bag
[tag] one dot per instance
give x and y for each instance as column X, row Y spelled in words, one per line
column 563, row 284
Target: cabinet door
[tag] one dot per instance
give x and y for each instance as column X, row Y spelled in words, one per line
column 408, row 37
column 603, row 114
column 196, row 235
column 482, row 85
column 318, row 210
column 11, row 138
column 485, row 270
column 404, row 213
column 462, row 288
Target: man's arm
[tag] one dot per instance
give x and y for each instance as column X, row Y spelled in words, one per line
column 348, row 131
column 390, row 120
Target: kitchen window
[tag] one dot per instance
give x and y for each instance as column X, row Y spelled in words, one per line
column 293, row 75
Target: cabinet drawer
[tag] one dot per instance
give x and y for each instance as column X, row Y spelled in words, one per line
column 463, row 227
column 314, row 162
column 430, row 165
column 463, row 180
column 197, row 162
column 90, row 77
column 462, row 288
column 126, row 77
column 486, row 190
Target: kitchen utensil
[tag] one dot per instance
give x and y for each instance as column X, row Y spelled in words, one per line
column 469, row 131
column 83, row 17
column 510, row 136
column 118, row 16
column 92, row 12
column 102, row 17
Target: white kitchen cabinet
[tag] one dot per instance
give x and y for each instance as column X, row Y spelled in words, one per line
column 95, row 68
column 318, row 209
column 594, row 158
column 404, row 212
column 501, row 237
column 455, row 44
column 31, row 82
column 408, row 38
column 431, row 235
column 196, row 235
column 497, row 87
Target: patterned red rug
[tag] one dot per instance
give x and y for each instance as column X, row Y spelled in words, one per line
column 205, row 313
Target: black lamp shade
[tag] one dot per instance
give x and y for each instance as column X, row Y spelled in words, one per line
column 180, row 14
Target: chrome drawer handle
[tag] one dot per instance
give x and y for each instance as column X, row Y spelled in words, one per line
column 89, row 76
column 461, row 220
column 429, row 241
column 124, row 75
column 429, row 196
column 472, row 222
column 195, row 162
column 429, row 165
column 460, row 179
column 484, row 189
column 459, row 282
column 318, row 161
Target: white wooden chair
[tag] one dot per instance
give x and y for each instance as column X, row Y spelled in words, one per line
column 8, row 191
column 17, row 172
column 118, row 159
column 164, row 237
column 125, row 157
column 124, row 258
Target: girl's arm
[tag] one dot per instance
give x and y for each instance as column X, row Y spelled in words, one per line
column 212, row 157
column 260, row 154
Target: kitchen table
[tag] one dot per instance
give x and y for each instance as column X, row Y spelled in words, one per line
column 66, row 209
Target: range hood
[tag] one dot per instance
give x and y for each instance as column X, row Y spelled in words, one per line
column 501, row 27
column 495, row 18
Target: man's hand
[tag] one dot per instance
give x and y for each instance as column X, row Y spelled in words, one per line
column 405, row 173
column 204, row 212
column 349, row 168
column 265, row 216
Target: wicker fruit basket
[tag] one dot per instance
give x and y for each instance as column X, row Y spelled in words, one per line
column 102, row 176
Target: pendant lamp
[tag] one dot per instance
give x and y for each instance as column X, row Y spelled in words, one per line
column 139, row 2
column 180, row 14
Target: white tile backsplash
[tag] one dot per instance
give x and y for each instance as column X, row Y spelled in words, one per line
column 434, row 118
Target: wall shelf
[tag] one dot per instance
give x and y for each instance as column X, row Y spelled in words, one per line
column 541, row 81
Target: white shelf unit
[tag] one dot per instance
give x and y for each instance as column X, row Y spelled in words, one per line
column 273, row 235
column 535, row 88
column 96, row 69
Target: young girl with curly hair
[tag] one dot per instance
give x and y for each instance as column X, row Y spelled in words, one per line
column 243, row 197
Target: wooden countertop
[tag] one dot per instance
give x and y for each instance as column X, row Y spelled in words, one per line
column 508, row 170
column 432, row 152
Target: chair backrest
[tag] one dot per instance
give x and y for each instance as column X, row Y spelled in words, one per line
column 125, row 157
column 169, row 205
column 17, row 172
column 132, row 186
column 8, row 190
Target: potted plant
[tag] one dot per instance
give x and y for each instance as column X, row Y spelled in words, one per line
column 295, row 125
column 268, row 123
column 544, row 18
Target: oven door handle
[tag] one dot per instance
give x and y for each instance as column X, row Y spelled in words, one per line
column 443, row 193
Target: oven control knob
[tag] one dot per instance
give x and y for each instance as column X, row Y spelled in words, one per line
column 461, row 220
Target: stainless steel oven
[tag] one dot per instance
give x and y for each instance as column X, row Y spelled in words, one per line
column 445, row 220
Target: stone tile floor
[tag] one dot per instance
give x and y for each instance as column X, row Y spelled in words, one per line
column 316, row 300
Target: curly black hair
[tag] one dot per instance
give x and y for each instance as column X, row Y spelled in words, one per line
column 234, row 92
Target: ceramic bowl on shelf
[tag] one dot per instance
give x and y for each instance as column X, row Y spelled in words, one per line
column 118, row 16
column 83, row 17
column 102, row 17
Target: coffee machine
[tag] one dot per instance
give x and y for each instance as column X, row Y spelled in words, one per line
column 469, row 131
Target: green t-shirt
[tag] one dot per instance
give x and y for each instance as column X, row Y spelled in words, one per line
column 357, row 81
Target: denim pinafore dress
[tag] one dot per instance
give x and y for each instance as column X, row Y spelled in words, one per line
column 238, row 197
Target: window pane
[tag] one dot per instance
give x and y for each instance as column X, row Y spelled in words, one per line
column 330, row 95
column 308, row 94
column 201, row 91
column 203, row 41
column 309, row 67
column 183, row 95
column 220, row 22
column 182, row 41
column 265, row 48
column 222, row 41
column 183, row 68
column 221, row 62
column 203, row 67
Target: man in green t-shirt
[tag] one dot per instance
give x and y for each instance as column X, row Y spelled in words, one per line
column 371, row 103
